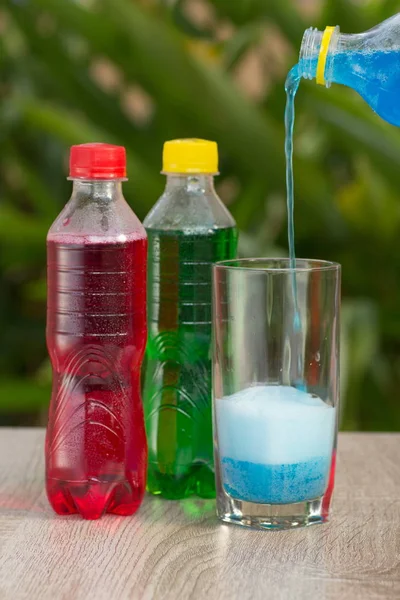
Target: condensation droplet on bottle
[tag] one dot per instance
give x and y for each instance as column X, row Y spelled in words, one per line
column 317, row 357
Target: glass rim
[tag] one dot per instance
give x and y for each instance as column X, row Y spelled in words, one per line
column 266, row 265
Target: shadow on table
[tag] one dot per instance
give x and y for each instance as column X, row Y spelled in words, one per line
column 20, row 503
column 193, row 510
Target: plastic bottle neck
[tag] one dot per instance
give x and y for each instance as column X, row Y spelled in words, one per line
column 199, row 183
column 314, row 48
column 97, row 190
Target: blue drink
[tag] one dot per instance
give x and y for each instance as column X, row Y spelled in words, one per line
column 368, row 62
column 275, row 444
column 375, row 76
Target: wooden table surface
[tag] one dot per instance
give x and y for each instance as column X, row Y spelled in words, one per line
column 174, row 550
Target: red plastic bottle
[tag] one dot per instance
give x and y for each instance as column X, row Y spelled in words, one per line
column 96, row 453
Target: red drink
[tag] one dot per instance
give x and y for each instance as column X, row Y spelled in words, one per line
column 96, row 450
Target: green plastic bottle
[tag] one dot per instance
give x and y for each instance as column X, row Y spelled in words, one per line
column 188, row 230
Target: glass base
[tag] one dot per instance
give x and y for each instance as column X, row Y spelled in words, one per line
column 271, row 516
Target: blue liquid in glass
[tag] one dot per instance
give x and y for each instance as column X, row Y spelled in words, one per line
column 275, row 444
column 275, row 484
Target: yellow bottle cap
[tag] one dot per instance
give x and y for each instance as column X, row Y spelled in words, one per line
column 323, row 53
column 190, row 156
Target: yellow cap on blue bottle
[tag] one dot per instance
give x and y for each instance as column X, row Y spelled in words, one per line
column 323, row 53
column 190, row 156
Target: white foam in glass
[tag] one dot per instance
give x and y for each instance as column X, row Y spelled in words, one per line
column 274, row 424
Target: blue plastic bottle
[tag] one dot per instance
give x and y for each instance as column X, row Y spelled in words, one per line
column 367, row 62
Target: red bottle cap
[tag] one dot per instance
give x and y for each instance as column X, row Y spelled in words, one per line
column 97, row 161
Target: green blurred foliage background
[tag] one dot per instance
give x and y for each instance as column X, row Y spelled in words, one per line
column 137, row 72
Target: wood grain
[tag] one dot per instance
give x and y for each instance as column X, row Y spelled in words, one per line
column 174, row 550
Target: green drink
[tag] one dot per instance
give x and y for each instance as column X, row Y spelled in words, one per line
column 177, row 388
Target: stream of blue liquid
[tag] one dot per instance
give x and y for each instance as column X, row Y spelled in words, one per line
column 291, row 87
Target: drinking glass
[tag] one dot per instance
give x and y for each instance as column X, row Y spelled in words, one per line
column 275, row 390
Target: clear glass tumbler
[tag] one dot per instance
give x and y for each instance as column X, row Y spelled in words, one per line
column 276, row 390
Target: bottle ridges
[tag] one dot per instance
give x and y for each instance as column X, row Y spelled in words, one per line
column 96, row 335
